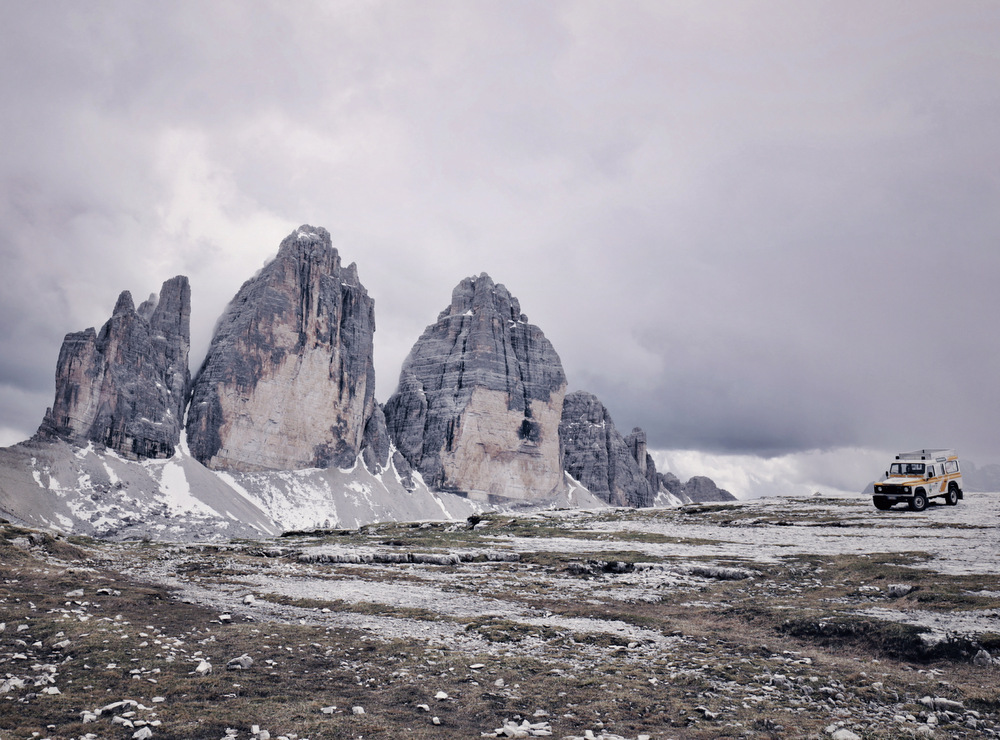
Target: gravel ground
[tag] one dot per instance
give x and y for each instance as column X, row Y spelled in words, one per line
column 770, row 619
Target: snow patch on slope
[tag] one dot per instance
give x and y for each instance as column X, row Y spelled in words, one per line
column 176, row 493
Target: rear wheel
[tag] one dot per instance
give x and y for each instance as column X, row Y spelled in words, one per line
column 881, row 503
column 952, row 496
column 919, row 501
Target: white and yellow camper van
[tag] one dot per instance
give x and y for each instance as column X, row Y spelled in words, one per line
column 916, row 477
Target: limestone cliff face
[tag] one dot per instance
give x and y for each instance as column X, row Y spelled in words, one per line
column 596, row 454
column 288, row 382
column 480, row 398
column 659, row 483
column 636, row 443
column 126, row 386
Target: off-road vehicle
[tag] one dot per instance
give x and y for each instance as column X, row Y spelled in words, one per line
column 916, row 477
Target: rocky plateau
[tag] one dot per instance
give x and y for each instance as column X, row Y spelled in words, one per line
column 816, row 618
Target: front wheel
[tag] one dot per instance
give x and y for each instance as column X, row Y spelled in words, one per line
column 952, row 496
column 919, row 501
column 881, row 503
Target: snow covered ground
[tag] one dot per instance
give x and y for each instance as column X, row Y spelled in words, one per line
column 962, row 539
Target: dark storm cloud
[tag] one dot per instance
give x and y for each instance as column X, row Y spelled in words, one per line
column 749, row 227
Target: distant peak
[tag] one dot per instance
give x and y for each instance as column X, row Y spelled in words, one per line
column 124, row 304
column 147, row 307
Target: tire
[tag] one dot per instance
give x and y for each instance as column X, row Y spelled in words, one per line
column 952, row 496
column 919, row 501
column 881, row 503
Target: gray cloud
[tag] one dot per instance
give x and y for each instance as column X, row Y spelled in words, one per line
column 750, row 228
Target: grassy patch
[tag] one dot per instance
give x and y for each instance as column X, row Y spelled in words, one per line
column 498, row 629
column 354, row 607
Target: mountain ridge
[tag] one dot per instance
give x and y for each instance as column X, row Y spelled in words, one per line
column 281, row 424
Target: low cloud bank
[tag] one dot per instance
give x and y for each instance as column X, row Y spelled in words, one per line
column 845, row 470
column 10, row 436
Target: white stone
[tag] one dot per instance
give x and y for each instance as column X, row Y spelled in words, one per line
column 441, row 696
column 947, row 705
column 241, row 663
column 11, row 684
column 358, row 710
column 983, row 659
column 845, row 734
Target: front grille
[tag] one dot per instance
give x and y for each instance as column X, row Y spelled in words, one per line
column 889, row 490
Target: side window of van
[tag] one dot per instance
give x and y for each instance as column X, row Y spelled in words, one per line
column 930, row 472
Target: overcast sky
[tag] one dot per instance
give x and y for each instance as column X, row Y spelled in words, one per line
column 752, row 228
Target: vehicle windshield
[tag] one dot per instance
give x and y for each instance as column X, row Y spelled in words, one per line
column 906, row 469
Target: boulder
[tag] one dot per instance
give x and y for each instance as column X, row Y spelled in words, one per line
column 241, row 663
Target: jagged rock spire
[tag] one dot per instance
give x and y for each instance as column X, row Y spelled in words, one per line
column 126, row 387
column 599, row 457
column 289, row 381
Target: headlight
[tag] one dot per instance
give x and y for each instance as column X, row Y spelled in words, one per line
column 905, row 489
column 878, row 489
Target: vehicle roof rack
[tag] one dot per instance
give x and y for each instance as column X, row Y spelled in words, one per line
column 927, row 454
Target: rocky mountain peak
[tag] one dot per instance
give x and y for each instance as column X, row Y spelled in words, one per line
column 478, row 294
column 124, row 305
column 596, row 454
column 479, row 399
column 309, row 243
column 289, row 381
column 701, row 488
column 126, row 386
